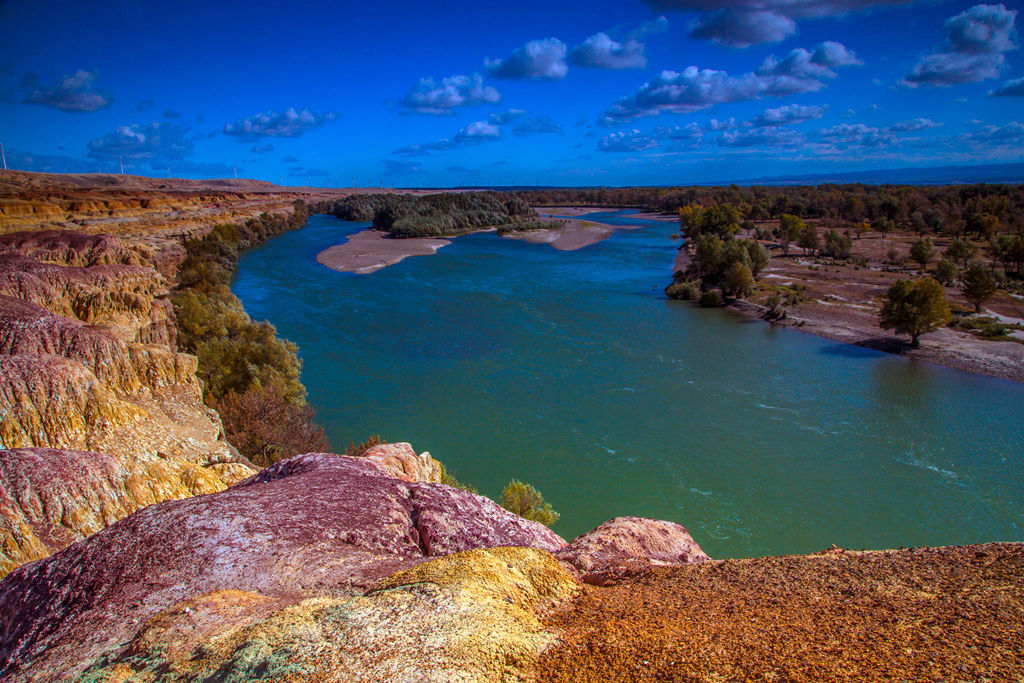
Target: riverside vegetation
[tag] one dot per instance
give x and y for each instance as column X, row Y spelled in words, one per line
column 250, row 376
column 972, row 234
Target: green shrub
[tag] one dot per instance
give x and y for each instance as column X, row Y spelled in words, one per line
column 359, row 450
column 946, row 271
column 687, row 290
column 266, row 427
column 712, row 298
column 248, row 373
column 527, row 502
column 450, row 479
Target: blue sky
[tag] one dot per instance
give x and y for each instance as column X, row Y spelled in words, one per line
column 556, row 93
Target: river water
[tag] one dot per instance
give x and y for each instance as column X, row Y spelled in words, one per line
column 570, row 370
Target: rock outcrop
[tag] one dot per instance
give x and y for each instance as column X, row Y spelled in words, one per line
column 89, row 377
column 628, row 546
column 314, row 527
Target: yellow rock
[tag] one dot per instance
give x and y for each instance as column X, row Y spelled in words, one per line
column 472, row 616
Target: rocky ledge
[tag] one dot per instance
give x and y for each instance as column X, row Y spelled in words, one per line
column 316, row 568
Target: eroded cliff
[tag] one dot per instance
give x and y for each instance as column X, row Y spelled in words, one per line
column 89, row 366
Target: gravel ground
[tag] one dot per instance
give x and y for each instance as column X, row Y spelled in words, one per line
column 932, row 614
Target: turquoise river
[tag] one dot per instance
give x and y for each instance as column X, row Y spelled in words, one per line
column 572, row 371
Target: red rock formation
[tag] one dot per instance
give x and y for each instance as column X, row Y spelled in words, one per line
column 71, row 248
column 124, row 299
column 312, row 525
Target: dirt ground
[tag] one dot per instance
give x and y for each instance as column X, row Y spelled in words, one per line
column 949, row 614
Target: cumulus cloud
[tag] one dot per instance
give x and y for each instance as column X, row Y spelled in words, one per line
column 1014, row 88
column 601, row 52
column 473, row 134
column 751, row 22
column 263, row 149
column 949, row 68
column 761, row 137
column 507, row 116
column 285, row 124
column 441, row 97
column 73, row 93
column 997, row 135
column 847, row 135
column 537, row 60
column 972, row 51
column 715, row 124
column 914, row 125
column 739, row 28
column 156, row 142
column 485, row 131
column 478, row 131
column 627, row 141
column 693, row 89
column 538, row 126
column 982, row 29
column 786, row 116
column 684, row 136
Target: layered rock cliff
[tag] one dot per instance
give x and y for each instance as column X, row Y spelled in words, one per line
column 88, row 366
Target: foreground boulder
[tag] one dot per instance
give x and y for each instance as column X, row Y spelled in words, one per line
column 313, row 526
column 627, row 546
column 471, row 616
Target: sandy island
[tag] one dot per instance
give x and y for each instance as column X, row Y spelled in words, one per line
column 575, row 232
column 370, row 250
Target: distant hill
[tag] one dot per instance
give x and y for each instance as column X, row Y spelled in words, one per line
column 938, row 175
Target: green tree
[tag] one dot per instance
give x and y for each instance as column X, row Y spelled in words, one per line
column 946, row 271
column 984, row 224
column 915, row 308
column 961, row 250
column 790, row 229
column 922, row 251
column 979, row 284
column 837, row 246
column 739, row 281
column 759, row 255
column 809, row 240
column 527, row 502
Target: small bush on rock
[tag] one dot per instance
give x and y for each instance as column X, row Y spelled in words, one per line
column 527, row 502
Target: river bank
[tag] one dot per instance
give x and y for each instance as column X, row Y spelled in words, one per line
column 841, row 301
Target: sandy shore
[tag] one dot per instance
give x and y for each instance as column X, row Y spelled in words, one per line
column 945, row 346
column 844, row 302
column 371, row 250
